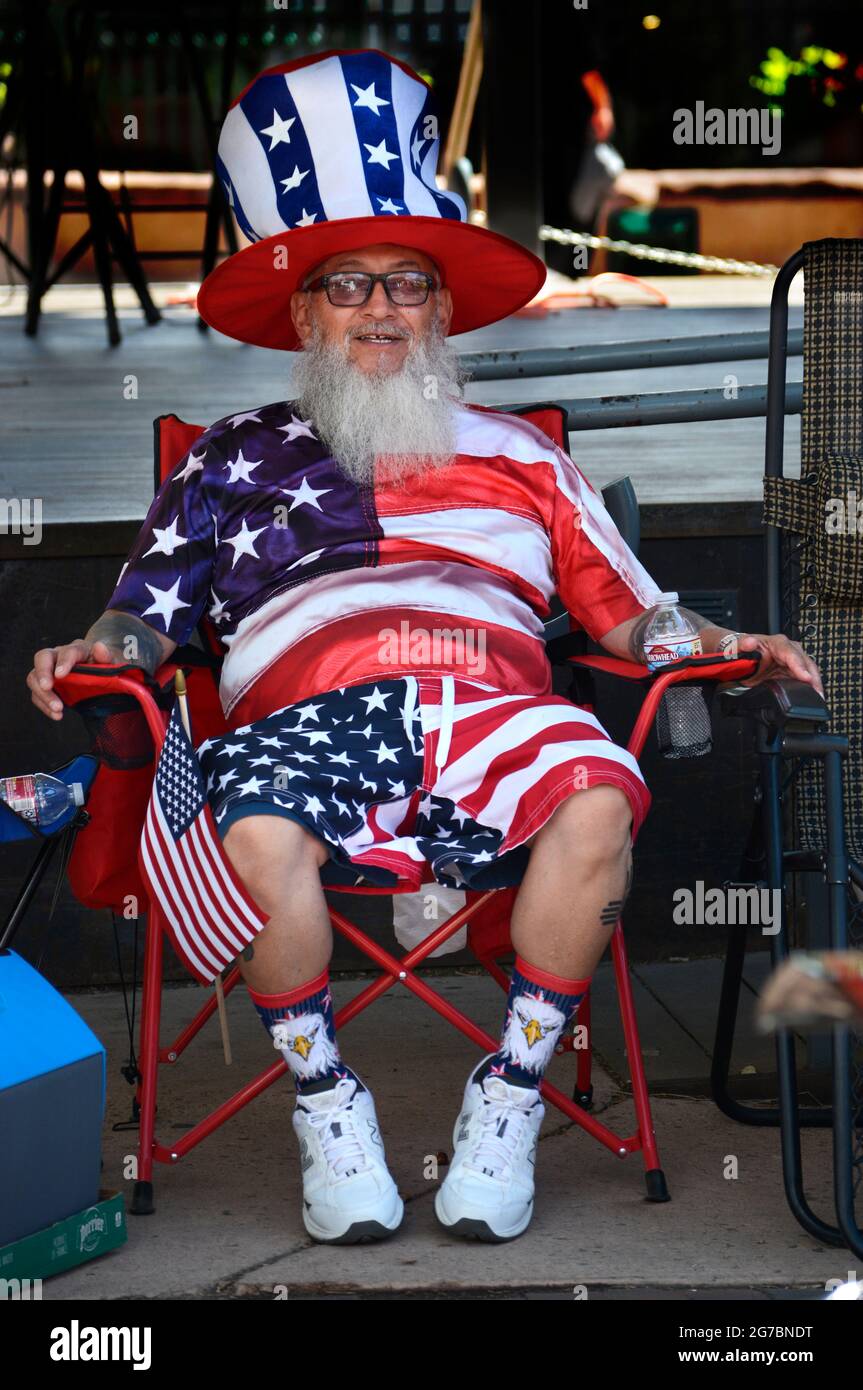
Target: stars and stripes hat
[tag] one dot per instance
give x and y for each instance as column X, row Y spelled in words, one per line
column 316, row 156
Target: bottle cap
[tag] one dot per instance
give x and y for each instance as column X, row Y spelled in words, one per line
column 78, row 792
column 671, row 597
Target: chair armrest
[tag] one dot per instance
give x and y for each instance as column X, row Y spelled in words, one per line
column 709, row 666
column 776, row 702
column 88, row 681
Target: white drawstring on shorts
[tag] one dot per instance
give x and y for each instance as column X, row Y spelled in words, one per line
column 447, row 715
column 408, row 713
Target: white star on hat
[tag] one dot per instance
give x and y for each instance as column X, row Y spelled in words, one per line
column 379, row 154
column 295, row 179
column 366, row 97
column 306, row 220
column 165, row 603
column 244, row 542
column 387, row 205
column 278, row 131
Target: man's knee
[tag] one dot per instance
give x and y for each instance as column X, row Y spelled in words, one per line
column 268, row 851
column 596, row 821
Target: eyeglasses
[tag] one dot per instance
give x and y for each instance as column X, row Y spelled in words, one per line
column 350, row 288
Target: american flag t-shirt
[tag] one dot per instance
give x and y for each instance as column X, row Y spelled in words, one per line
column 208, row 912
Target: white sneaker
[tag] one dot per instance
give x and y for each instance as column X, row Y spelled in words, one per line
column 348, row 1193
column 488, row 1191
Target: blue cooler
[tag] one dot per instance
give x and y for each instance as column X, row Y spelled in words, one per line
column 52, row 1104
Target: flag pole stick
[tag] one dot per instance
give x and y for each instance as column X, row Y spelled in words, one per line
column 182, row 701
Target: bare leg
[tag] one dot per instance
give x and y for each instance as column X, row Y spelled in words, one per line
column 579, row 874
column 279, row 862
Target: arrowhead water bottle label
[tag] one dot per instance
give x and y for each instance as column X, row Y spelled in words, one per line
column 658, row 654
column 19, row 793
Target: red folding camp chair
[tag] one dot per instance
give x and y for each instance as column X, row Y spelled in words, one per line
column 129, row 713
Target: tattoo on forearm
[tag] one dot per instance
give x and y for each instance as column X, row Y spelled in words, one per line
column 129, row 639
column 636, row 636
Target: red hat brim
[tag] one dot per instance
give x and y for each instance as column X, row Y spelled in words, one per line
column 248, row 296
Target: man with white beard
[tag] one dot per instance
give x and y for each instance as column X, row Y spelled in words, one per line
column 375, row 499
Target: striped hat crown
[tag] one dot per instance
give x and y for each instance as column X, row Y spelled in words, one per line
column 339, row 135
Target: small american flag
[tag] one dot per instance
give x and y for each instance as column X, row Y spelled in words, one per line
column 209, row 915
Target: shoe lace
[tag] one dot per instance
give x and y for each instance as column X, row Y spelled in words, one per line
column 502, row 1126
column 342, row 1149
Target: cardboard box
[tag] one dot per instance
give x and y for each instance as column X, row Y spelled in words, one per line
column 72, row 1241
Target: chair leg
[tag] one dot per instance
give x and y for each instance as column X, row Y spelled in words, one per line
column 151, row 1007
column 657, row 1188
column 582, row 1092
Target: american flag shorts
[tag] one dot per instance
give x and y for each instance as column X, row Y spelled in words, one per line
column 403, row 774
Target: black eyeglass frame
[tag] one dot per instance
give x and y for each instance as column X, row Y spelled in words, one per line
column 322, row 282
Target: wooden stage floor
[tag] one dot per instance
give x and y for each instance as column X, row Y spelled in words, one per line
column 70, row 435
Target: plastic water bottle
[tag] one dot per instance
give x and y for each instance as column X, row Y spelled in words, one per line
column 40, row 798
column 683, row 720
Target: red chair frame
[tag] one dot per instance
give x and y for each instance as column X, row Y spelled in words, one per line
column 86, row 681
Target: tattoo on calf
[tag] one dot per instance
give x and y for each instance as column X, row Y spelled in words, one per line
column 248, row 953
column 612, row 910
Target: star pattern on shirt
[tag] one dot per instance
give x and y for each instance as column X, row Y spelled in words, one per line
column 165, row 603
column 236, row 420
column 297, row 429
column 244, row 542
column 240, row 468
column 194, row 464
column 305, row 495
column 167, row 539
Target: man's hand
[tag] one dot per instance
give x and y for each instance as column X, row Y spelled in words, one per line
column 115, row 639
column 51, row 662
column 779, row 657
column 805, row 991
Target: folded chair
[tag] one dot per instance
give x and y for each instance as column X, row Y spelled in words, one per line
column 807, row 831
column 128, row 712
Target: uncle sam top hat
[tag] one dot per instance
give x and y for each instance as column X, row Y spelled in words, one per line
column 332, row 153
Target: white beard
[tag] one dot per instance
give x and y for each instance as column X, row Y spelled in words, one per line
column 393, row 424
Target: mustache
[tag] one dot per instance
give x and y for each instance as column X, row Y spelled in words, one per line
column 378, row 326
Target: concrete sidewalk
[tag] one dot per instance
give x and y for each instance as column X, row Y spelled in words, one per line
column 228, row 1221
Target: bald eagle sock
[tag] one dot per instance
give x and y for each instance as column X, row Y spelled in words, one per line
column 300, row 1023
column 538, row 1008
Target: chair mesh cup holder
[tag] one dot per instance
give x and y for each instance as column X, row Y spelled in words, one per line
column 683, row 724
column 119, row 731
